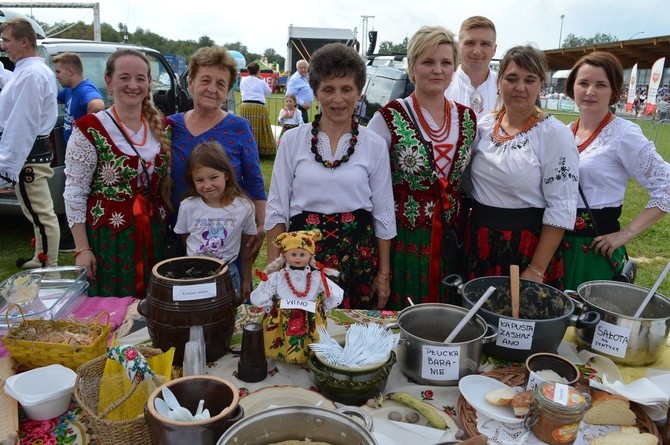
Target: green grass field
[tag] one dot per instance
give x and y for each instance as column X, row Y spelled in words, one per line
column 651, row 249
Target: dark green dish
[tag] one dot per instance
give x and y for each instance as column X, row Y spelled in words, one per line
column 350, row 387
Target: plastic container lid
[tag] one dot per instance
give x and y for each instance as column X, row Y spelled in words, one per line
column 41, row 384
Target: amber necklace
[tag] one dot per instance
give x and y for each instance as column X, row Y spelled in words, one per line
column 603, row 123
column 292, row 287
column 123, row 128
column 346, row 156
column 498, row 135
column 442, row 133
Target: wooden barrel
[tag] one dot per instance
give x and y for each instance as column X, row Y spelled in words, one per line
column 185, row 292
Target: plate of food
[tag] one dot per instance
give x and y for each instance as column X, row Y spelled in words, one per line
column 489, row 397
column 282, row 396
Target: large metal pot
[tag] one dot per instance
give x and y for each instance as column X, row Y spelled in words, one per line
column 301, row 423
column 422, row 355
column 620, row 336
column 544, row 315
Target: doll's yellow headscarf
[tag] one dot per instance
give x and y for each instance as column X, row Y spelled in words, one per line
column 302, row 239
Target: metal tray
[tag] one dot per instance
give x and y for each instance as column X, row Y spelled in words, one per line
column 59, row 287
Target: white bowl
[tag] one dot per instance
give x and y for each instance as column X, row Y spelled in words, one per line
column 43, row 392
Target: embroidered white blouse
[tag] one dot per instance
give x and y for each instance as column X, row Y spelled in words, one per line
column 81, row 159
column 538, row 168
column 284, row 119
column 617, row 153
column 254, row 88
column 276, row 285
column 300, row 183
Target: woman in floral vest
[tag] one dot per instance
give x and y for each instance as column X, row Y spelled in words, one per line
column 117, row 182
column 429, row 139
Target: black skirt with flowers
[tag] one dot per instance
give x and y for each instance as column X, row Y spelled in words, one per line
column 348, row 246
column 497, row 238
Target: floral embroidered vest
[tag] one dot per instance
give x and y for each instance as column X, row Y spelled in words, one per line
column 114, row 183
column 413, row 171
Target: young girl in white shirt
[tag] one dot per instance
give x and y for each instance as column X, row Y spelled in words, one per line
column 217, row 218
column 289, row 116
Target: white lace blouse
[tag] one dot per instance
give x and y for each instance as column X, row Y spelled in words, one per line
column 81, row 160
column 300, row 183
column 617, row 153
column 538, row 168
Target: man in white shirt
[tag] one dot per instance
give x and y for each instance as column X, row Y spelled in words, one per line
column 28, row 112
column 474, row 83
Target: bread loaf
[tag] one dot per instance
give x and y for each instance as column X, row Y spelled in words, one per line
column 500, row 396
column 619, row 438
column 521, row 403
column 609, row 409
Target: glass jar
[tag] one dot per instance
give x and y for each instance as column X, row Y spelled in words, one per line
column 556, row 412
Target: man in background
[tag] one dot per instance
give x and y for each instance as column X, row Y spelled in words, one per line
column 298, row 84
column 28, row 112
column 474, row 83
column 80, row 97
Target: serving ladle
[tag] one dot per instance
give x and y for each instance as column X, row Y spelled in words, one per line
column 470, row 314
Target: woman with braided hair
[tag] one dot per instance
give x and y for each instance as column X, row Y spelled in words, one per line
column 118, row 184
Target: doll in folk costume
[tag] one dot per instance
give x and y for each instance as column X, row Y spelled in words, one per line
column 296, row 294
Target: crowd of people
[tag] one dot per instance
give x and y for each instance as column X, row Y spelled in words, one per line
column 466, row 175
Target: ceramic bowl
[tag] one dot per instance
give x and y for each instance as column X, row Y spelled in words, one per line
column 350, row 386
column 221, row 399
column 545, row 361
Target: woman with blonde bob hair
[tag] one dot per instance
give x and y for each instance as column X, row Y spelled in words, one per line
column 611, row 150
column 429, row 140
column 524, row 177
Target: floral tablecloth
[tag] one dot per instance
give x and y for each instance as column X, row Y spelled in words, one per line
column 71, row 428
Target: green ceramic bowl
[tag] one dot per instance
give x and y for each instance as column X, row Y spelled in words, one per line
column 353, row 386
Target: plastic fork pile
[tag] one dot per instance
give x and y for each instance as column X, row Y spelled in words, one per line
column 364, row 345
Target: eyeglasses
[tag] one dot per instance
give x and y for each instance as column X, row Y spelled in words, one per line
column 477, row 101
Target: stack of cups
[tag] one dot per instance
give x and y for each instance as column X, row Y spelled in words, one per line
column 192, row 359
column 197, row 335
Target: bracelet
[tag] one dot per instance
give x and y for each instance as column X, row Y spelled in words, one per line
column 536, row 272
column 79, row 252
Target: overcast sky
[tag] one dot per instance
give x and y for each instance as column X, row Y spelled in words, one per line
column 261, row 24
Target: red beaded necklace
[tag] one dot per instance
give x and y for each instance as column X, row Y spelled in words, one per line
column 123, row 128
column 497, row 127
column 442, row 133
column 603, row 123
column 293, row 289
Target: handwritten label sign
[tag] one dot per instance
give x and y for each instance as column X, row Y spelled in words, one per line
column 194, row 292
column 440, row 362
column 534, row 380
column 298, row 303
column 515, row 334
column 561, row 394
column 611, row 339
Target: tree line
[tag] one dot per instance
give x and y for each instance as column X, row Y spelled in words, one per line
column 144, row 37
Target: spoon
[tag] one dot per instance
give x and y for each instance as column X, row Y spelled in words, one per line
column 470, row 314
column 652, row 291
column 514, row 289
column 170, row 398
column 203, row 415
column 181, row 414
column 220, row 268
column 162, row 408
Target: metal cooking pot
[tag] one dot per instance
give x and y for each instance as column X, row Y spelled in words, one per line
column 616, row 303
column 544, row 315
column 422, row 355
column 301, row 423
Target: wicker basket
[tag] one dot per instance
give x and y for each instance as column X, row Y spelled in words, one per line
column 34, row 354
column 516, row 376
column 110, row 432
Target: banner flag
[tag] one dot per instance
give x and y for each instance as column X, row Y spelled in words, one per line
column 654, row 83
column 632, row 87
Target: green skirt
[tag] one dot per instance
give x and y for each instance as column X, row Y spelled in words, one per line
column 582, row 264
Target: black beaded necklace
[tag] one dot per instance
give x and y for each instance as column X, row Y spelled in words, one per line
column 350, row 150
